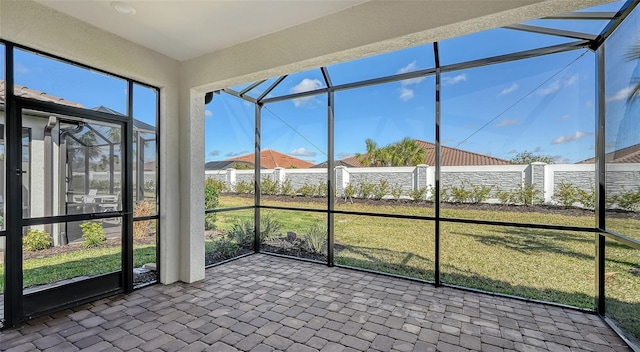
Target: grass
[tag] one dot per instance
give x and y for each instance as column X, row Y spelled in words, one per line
column 83, row 262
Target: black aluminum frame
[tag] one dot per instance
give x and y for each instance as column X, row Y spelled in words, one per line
column 588, row 41
column 47, row 301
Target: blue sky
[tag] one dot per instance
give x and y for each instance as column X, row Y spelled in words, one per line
column 544, row 105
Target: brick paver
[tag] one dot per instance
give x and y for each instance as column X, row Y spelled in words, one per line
column 266, row 303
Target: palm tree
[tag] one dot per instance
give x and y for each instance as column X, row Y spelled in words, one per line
column 406, row 152
column 634, row 55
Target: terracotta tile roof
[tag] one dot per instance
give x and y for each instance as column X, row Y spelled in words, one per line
column 450, row 157
column 625, row 155
column 270, row 159
column 22, row 91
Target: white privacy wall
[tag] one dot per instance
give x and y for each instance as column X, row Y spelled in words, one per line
column 621, row 178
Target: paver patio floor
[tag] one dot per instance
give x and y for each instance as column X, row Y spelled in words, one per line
column 266, row 303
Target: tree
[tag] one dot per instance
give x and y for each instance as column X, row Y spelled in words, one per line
column 634, row 56
column 528, row 158
column 406, row 152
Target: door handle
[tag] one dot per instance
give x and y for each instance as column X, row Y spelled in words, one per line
column 20, row 172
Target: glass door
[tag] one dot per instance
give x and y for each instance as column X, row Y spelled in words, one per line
column 70, row 176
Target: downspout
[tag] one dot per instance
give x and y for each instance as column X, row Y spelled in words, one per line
column 48, row 173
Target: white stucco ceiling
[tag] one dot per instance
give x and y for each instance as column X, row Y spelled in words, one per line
column 184, row 29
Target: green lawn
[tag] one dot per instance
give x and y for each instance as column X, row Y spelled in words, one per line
column 83, row 262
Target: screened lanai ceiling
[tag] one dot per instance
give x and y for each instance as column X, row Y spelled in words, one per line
column 583, row 28
column 184, row 29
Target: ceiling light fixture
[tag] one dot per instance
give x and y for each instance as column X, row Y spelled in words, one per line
column 123, row 8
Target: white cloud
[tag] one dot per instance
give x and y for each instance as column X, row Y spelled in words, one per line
column 454, row 80
column 214, row 153
column 552, row 88
column 344, row 155
column 570, row 138
column 512, row 151
column 509, row 90
column 507, row 122
column 302, row 152
column 406, row 94
column 305, row 85
column 622, row 94
column 556, row 85
column 20, row 68
column 565, row 117
column 537, row 150
column 208, row 113
column 238, row 153
column 559, row 159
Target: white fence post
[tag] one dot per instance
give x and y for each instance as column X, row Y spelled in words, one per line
column 279, row 175
column 231, row 178
column 342, row 179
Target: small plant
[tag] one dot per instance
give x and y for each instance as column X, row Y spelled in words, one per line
column 92, row 234
column 587, row 198
column 307, row 190
column 528, row 195
column 479, row 194
column 321, row 189
column 396, row 191
column 460, row 194
column 349, row 191
column 269, row 186
column 244, row 187
column 242, row 233
column 316, row 238
column 149, row 186
column 418, row 194
column 211, row 194
column 365, row 189
column 287, row 189
column 142, row 228
column 270, row 228
column 505, row 197
column 36, row 240
column 565, row 194
column 226, row 248
column 629, row 200
column 381, row 189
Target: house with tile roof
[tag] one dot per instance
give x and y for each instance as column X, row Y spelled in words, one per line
column 270, row 159
column 629, row 154
column 450, row 157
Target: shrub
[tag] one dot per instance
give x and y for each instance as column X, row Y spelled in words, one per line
column 505, row 197
column 587, row 198
column 460, row 194
column 270, row 228
column 418, row 194
column 350, row 191
column 149, row 186
column 396, row 191
column 211, row 194
column 99, row 184
column 287, row 189
column 321, row 189
column 307, row 190
column 242, row 233
column 628, row 200
column 244, row 187
column 381, row 189
column 142, row 228
column 92, row 234
column 226, row 248
column 316, row 238
column 479, row 194
column 365, row 189
column 565, row 194
column 269, row 186
column 528, row 195
column 36, row 240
